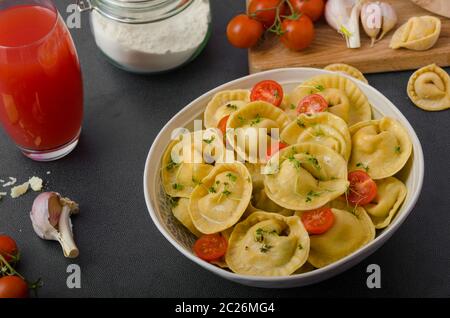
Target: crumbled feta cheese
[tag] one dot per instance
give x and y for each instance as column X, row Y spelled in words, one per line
column 2, row 181
column 11, row 182
column 35, row 183
column 2, row 194
column 19, row 190
column 48, row 172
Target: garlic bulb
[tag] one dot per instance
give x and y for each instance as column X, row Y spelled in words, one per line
column 377, row 18
column 50, row 216
column 343, row 16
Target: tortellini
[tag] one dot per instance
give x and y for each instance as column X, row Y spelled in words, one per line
column 349, row 232
column 305, row 176
column 381, row 147
column 180, row 209
column 347, row 69
column 260, row 201
column 224, row 104
column 186, row 161
column 429, row 88
column 322, row 128
column 220, row 200
column 268, row 244
column 248, row 122
column 344, row 97
column 391, row 194
column 419, row 34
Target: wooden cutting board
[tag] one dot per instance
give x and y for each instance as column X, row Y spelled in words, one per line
column 329, row 47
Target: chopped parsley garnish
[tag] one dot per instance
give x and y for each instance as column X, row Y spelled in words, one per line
column 313, row 160
column 311, row 194
column 300, row 247
column 210, row 140
column 249, row 180
column 177, row 186
column 172, row 164
column 241, row 119
column 361, row 165
column 397, row 149
column 232, row 177
column 195, row 181
column 232, row 106
column 276, row 94
column 173, row 202
column 259, row 237
column 256, row 121
column 265, row 248
column 226, row 192
column 292, row 106
column 297, row 164
column 319, row 87
column 300, row 123
column 212, row 190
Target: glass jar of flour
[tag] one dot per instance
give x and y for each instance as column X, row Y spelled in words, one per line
column 149, row 36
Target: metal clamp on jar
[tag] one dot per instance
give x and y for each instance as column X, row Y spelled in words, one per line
column 148, row 36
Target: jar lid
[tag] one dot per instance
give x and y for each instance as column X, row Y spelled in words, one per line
column 135, row 11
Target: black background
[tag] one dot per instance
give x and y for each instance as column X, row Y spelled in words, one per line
column 122, row 252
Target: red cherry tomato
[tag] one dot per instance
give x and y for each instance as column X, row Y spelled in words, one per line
column 318, row 221
column 362, row 188
column 8, row 248
column 275, row 148
column 312, row 8
column 267, row 91
column 243, row 32
column 298, row 33
column 312, row 104
column 223, row 124
column 211, row 247
column 13, row 287
column 265, row 11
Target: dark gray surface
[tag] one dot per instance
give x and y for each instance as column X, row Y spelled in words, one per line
column 122, row 252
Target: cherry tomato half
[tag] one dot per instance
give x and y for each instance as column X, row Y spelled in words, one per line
column 8, row 248
column 265, row 11
column 223, row 124
column 13, row 287
column 298, row 33
column 211, row 247
column 318, row 221
column 243, row 32
column 362, row 188
column 312, row 104
column 267, row 91
column 312, row 8
column 275, row 148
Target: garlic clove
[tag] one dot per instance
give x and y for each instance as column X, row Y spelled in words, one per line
column 50, row 216
column 371, row 19
column 390, row 19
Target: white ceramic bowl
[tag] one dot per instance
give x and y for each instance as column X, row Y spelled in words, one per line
column 179, row 237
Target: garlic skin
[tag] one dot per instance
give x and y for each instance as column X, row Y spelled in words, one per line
column 50, row 216
column 371, row 20
column 390, row 19
column 377, row 19
column 343, row 16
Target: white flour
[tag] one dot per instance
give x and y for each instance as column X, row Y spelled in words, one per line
column 156, row 46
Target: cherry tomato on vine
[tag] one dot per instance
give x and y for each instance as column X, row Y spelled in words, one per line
column 267, row 91
column 298, row 32
column 318, row 221
column 8, row 248
column 211, row 247
column 244, row 32
column 265, row 11
column 312, row 104
column 13, row 287
column 312, row 8
column 362, row 188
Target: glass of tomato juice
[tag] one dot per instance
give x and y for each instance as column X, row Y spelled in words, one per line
column 41, row 91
